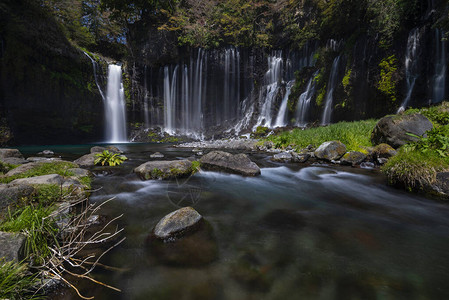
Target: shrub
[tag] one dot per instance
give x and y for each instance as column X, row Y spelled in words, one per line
column 109, row 159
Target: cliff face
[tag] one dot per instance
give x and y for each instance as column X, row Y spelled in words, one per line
column 48, row 92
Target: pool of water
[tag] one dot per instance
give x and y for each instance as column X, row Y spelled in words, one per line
column 295, row 232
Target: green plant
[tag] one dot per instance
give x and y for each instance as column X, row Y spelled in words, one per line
column 16, row 281
column 109, row 159
column 39, row 227
column 195, row 166
column 436, row 140
column 388, row 77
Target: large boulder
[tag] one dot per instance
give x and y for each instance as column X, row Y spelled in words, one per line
column 10, row 194
column 164, row 169
column 29, row 166
column 177, row 223
column 5, row 153
column 227, row 162
column 11, row 246
column 393, row 130
column 332, row 150
column 39, row 180
column 87, row 160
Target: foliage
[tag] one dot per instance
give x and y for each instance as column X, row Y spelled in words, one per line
column 57, row 167
column 195, row 166
column 109, row 159
column 15, row 281
column 437, row 140
column 388, row 77
column 346, row 79
column 414, row 168
column 438, row 115
column 354, row 135
column 39, row 227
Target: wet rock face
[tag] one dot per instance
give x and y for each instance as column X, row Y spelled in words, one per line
column 332, row 150
column 177, row 222
column 164, row 169
column 393, row 130
column 230, row 163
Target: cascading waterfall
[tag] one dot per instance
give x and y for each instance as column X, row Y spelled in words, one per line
column 267, row 96
column 94, row 65
column 411, row 65
column 145, row 101
column 115, row 127
column 439, row 80
column 328, row 102
column 281, row 119
column 302, row 108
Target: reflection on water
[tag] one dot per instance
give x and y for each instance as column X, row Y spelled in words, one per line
column 317, row 232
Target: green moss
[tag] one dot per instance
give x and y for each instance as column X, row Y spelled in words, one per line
column 321, row 95
column 57, row 167
column 388, row 77
column 354, row 135
column 346, row 79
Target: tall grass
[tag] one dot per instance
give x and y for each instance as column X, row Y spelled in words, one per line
column 16, row 281
column 355, row 135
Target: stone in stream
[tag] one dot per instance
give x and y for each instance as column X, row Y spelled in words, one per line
column 11, row 246
column 393, row 130
column 332, row 150
column 282, row 157
column 353, row 158
column 231, row 163
column 164, row 169
column 157, row 155
column 87, row 160
column 300, row 157
column 98, row 149
column 46, row 152
column 183, row 238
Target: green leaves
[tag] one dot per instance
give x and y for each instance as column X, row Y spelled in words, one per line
column 109, row 159
column 437, row 140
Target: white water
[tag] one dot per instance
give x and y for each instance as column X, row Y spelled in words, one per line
column 302, row 108
column 281, row 119
column 411, row 65
column 115, row 116
column 439, row 81
column 94, row 65
column 328, row 103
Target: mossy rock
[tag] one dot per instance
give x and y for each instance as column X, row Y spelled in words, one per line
column 164, row 169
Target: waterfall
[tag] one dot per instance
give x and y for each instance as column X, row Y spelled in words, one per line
column 115, row 106
column 267, row 95
column 94, row 65
column 411, row 65
column 281, row 119
column 302, row 108
column 439, row 80
column 328, row 102
column 145, row 101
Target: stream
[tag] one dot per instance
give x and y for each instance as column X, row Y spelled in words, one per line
column 296, row 232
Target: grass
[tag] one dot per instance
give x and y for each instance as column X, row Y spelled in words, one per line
column 58, row 167
column 415, row 169
column 355, row 135
column 15, row 281
column 36, row 223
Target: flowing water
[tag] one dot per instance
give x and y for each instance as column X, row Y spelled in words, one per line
column 332, row 84
column 303, row 106
column 439, row 80
column 281, row 119
column 295, row 232
column 115, row 107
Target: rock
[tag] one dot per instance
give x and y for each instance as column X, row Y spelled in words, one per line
column 282, row 157
column 300, row 157
column 29, row 166
column 46, row 152
column 157, row 155
column 393, row 130
column 14, row 161
column 11, row 246
column 382, row 160
column 164, row 169
column 353, row 158
column 332, row 150
column 227, row 162
column 98, row 149
column 367, row 165
column 10, row 194
column 87, row 160
column 177, row 223
column 37, row 159
column 80, row 172
column 441, row 185
column 5, row 153
column 39, row 180
column 383, row 151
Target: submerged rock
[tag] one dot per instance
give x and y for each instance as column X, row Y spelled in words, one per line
column 177, row 222
column 231, row 163
column 332, row 150
column 11, row 246
column 353, row 158
column 164, row 169
column 393, row 130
